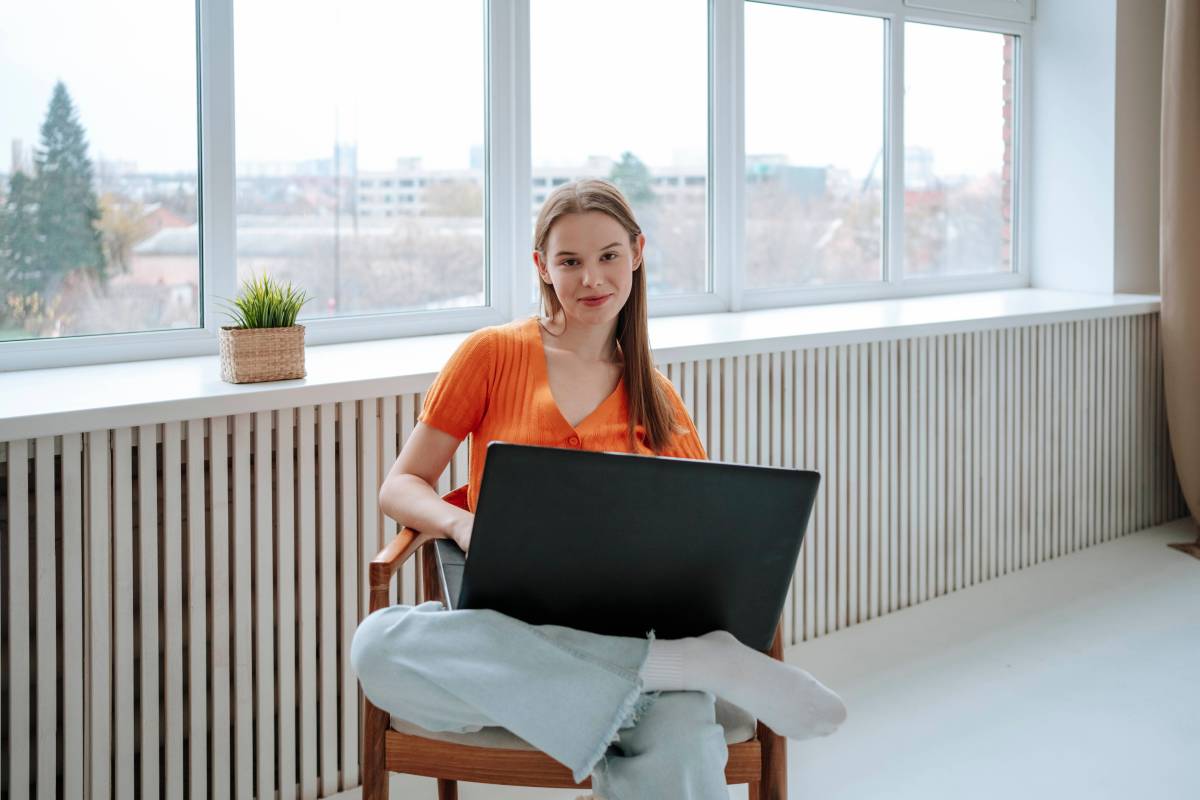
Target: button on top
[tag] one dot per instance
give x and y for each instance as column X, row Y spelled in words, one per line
column 574, row 440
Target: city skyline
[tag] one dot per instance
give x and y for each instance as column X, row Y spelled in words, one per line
column 155, row 126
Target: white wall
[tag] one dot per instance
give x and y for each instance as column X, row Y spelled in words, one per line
column 1097, row 71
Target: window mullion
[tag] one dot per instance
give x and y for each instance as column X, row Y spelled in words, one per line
column 508, row 159
column 893, row 190
column 727, row 149
column 217, row 160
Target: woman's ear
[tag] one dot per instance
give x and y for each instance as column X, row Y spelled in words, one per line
column 541, row 267
column 639, row 251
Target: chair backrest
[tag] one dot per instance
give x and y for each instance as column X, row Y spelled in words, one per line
column 457, row 497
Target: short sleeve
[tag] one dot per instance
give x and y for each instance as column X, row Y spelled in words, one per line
column 458, row 398
column 686, row 443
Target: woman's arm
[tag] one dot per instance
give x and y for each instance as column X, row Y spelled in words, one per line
column 408, row 496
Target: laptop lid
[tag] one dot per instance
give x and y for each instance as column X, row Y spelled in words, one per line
column 620, row 544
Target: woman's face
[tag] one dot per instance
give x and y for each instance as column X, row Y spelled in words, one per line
column 590, row 262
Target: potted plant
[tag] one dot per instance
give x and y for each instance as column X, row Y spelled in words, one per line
column 264, row 343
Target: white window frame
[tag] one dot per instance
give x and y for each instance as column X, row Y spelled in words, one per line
column 507, row 161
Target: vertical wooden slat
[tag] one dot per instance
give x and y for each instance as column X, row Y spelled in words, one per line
column 865, row 489
column 285, row 599
column 20, row 772
column 99, row 591
column 789, row 414
column 924, row 483
column 172, row 613
column 409, row 571
column 1145, row 435
column 122, row 611
column 197, row 613
column 841, row 552
column 851, row 490
column 1124, row 389
column 1089, row 431
column 1008, row 524
column 773, row 408
column 888, row 470
column 74, row 625
column 219, row 620
column 1066, row 443
column 811, row 461
column 327, row 538
column 241, row 551
column 825, row 446
column 368, row 496
column 948, row 504
column 728, row 409
column 306, row 631
column 875, row 450
column 1115, row 414
column 387, row 456
column 990, row 485
column 351, row 569
column 1042, row 395
column 149, row 603
column 47, row 650
column 905, row 394
column 264, row 606
column 971, row 473
column 1055, row 490
column 743, row 409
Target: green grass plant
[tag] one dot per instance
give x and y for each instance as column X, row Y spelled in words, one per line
column 264, row 302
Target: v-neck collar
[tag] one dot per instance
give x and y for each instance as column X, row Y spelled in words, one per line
column 541, row 363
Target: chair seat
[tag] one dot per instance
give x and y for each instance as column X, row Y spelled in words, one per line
column 739, row 726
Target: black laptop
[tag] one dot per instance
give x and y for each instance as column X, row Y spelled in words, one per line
column 619, row 544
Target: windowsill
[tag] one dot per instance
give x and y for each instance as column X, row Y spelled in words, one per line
column 72, row 399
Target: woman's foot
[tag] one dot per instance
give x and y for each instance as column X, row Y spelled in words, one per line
column 789, row 700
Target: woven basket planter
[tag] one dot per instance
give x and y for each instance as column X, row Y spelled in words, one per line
column 250, row 355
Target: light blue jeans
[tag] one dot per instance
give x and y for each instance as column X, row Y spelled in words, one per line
column 576, row 696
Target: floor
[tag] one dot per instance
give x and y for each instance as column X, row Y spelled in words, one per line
column 1073, row 678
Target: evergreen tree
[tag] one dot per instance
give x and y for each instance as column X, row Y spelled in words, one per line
column 19, row 246
column 67, row 207
column 632, row 177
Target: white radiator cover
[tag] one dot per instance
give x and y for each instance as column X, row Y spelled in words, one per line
column 947, row 460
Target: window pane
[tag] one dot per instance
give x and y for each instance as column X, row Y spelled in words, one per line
column 360, row 140
column 619, row 90
column 958, row 142
column 814, row 147
column 98, row 198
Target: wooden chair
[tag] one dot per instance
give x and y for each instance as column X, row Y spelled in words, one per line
column 760, row 760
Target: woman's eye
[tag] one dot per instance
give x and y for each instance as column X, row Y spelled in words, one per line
column 606, row 255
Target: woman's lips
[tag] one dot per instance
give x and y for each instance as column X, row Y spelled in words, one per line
column 595, row 301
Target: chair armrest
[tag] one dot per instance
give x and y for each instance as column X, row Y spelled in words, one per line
column 384, row 566
column 405, row 544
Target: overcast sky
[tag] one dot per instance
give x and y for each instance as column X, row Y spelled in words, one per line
column 407, row 79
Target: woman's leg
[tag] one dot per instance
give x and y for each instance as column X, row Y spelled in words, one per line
column 564, row 691
column 676, row 749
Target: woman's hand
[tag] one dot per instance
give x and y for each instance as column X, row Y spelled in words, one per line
column 460, row 530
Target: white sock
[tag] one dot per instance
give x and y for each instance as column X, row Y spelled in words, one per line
column 787, row 699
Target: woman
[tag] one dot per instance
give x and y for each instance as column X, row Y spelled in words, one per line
column 636, row 714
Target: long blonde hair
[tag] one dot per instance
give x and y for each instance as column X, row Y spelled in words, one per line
column 648, row 402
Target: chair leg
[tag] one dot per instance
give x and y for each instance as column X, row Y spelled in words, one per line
column 752, row 790
column 447, row 790
column 374, row 766
column 774, row 764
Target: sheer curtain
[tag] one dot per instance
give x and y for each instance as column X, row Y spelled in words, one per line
column 1180, row 243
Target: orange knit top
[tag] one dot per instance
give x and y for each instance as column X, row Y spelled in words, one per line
column 496, row 387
